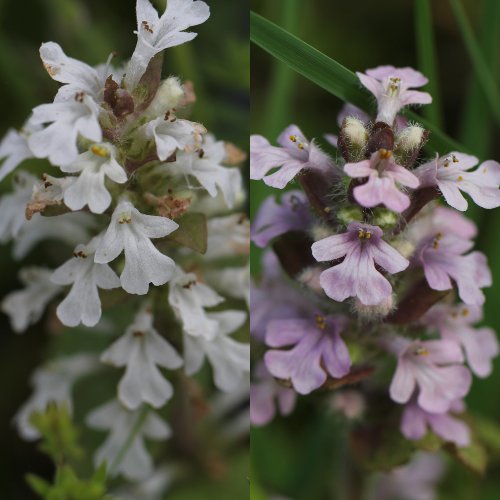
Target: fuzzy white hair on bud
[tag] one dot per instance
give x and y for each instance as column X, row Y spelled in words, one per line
column 410, row 138
column 319, row 232
column 310, row 277
column 168, row 96
column 355, row 132
column 376, row 312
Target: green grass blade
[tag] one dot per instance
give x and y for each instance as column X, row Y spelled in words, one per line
column 484, row 74
column 329, row 74
column 426, row 52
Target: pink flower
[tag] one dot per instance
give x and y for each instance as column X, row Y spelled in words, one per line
column 434, row 366
column 318, row 351
column 295, row 154
column 450, row 174
column 454, row 322
column 415, row 421
column 362, row 247
column 267, row 397
column 383, row 172
column 274, row 219
column 442, row 257
column 391, row 86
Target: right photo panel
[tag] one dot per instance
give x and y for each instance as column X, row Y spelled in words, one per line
column 375, row 280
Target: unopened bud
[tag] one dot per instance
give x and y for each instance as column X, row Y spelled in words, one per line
column 353, row 138
column 384, row 218
column 319, row 232
column 310, row 278
column 350, row 403
column 350, row 214
column 410, row 138
column 168, row 96
column 379, row 311
column 404, row 247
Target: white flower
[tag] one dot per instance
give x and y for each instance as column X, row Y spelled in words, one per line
column 232, row 281
column 136, row 464
column 50, row 190
column 90, row 189
column 14, row 150
column 69, row 228
column 228, row 236
column 67, row 119
column 155, row 34
column 230, row 359
column 52, row 383
column 170, row 134
column 206, row 166
column 131, row 231
column 82, row 304
column 140, row 349
column 153, row 488
column 13, row 206
column 80, row 76
column 25, row 307
column 188, row 298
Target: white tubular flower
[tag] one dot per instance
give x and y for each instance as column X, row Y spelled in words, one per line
column 13, row 150
column 13, row 206
column 140, row 349
column 71, row 228
column 50, row 190
column 131, row 231
column 61, row 68
column 155, row 34
column 206, row 166
column 228, row 236
column 232, row 281
column 25, row 307
column 90, row 189
column 171, row 134
column 52, row 383
column 188, row 298
column 82, row 304
column 67, row 119
column 153, row 488
column 230, row 359
column 137, row 464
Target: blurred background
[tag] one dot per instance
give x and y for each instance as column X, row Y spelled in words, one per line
column 89, row 30
column 301, row 456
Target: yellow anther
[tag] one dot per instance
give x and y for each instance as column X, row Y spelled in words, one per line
column 454, row 159
column 100, row 151
column 361, row 233
column 293, row 138
column 124, row 218
column 460, row 178
column 421, row 351
column 385, row 153
column 320, row 321
column 465, row 312
column 300, row 146
column 368, row 235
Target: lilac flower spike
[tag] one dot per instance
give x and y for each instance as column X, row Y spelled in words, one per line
column 383, row 172
column 391, row 86
column 434, row 366
column 415, row 421
column 274, row 219
column 295, row 154
column 450, row 174
column 356, row 276
column 318, row 351
column 442, row 257
column 455, row 322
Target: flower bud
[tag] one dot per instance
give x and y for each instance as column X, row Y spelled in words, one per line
column 384, row 218
column 319, row 232
column 310, row 278
column 168, row 96
column 410, row 138
column 379, row 311
column 347, row 215
column 350, row 403
column 353, row 138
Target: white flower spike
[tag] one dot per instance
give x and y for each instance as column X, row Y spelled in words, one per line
column 82, row 304
column 90, row 189
column 141, row 349
column 131, row 232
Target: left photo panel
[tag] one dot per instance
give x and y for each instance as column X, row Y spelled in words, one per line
column 124, row 340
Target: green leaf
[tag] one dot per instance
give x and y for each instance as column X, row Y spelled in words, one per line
column 38, row 485
column 488, row 433
column 192, row 232
column 478, row 60
column 474, row 457
column 426, row 52
column 329, row 74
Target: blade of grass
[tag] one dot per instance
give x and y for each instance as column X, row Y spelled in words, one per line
column 478, row 60
column 426, row 52
column 329, row 74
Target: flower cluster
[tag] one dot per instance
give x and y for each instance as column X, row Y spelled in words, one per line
column 140, row 202
column 368, row 273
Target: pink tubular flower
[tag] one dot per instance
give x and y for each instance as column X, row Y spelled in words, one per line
column 274, row 219
column 435, row 367
column 442, row 257
column 318, row 351
column 454, row 322
column 267, row 397
column 380, row 189
column 450, row 174
column 294, row 155
column 362, row 247
column 391, row 86
column 415, row 421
